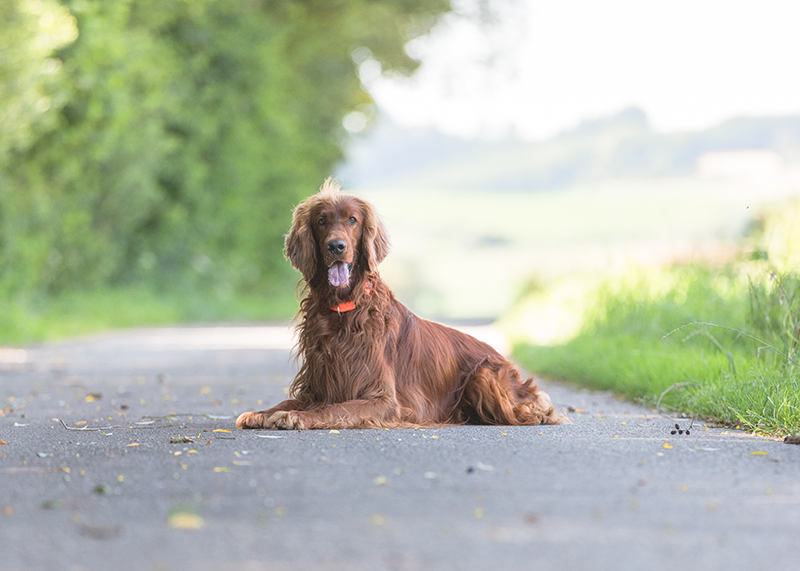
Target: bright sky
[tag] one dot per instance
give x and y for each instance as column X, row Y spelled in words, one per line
column 548, row 64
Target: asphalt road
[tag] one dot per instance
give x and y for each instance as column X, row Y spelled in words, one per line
column 114, row 487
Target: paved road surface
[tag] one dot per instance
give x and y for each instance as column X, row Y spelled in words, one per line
column 613, row 491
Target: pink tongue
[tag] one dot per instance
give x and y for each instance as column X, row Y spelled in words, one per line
column 339, row 274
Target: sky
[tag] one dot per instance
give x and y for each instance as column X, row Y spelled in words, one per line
column 534, row 68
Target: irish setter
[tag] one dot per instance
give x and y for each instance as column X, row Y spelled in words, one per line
column 366, row 361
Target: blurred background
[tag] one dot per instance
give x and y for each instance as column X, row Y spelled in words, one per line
column 151, row 151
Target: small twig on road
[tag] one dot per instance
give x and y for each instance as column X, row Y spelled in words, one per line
column 94, row 428
column 91, row 428
column 148, row 422
column 189, row 415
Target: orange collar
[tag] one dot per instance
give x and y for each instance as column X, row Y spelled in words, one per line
column 346, row 306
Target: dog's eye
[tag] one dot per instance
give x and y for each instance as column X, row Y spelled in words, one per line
column 353, row 220
column 321, row 221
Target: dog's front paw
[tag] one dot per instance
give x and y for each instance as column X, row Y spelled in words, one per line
column 286, row 420
column 252, row 420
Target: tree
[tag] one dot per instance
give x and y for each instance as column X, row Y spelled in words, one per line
column 178, row 135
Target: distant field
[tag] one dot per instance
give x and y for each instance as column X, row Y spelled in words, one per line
column 468, row 255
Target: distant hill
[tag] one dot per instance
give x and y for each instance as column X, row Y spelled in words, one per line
column 620, row 146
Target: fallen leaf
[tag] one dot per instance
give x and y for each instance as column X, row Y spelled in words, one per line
column 485, row 467
column 52, row 504
column 101, row 490
column 221, row 469
column 99, row 532
column 333, row 432
column 132, row 445
column 3, row 442
column 377, row 519
column 80, row 423
column 267, row 436
column 759, row 453
column 220, row 430
column 667, row 446
column 180, row 440
column 44, row 454
column 530, row 518
column 184, row 520
column 380, row 481
column 93, row 397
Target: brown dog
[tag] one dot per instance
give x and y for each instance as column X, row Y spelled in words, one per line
column 366, row 361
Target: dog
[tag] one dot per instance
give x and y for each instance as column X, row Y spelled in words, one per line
column 367, row 361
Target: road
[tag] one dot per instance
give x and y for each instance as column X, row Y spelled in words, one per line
column 147, row 471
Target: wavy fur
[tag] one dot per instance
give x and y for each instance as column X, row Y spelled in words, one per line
column 379, row 365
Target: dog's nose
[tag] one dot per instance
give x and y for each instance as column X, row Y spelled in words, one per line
column 336, row 246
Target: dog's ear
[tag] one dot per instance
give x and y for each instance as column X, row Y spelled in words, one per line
column 374, row 239
column 301, row 247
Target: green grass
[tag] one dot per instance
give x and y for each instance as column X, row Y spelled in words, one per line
column 25, row 319
column 645, row 332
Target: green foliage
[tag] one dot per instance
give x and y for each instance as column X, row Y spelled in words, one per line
column 42, row 318
column 649, row 331
column 165, row 142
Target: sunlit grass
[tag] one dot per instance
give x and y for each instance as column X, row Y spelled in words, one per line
column 729, row 334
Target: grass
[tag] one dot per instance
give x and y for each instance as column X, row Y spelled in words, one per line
column 25, row 319
column 726, row 339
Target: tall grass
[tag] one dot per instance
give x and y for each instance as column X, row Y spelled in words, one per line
column 727, row 339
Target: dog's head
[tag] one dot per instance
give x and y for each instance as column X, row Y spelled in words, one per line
column 335, row 236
